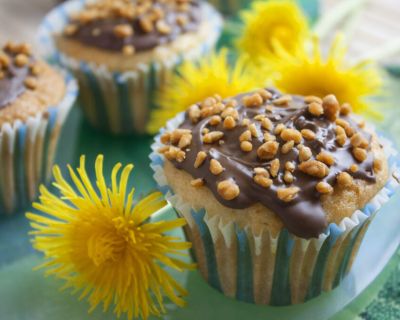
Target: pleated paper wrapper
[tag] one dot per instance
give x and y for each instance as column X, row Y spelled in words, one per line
column 265, row 269
column 121, row 102
column 27, row 151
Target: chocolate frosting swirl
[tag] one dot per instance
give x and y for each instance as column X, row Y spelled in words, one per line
column 99, row 30
column 304, row 216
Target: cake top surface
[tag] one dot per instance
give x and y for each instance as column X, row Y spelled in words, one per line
column 18, row 72
column 130, row 26
column 282, row 151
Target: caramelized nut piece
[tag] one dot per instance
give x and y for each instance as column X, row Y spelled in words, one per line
column 261, row 171
column 274, row 169
column 287, row 194
column 287, row 147
column 70, row 29
column 268, row 150
column 216, row 167
column 162, row 27
column 316, row 109
column 246, row 146
column 197, row 183
column 266, row 95
column 230, row 112
column 177, row 134
column 289, row 166
column 30, row 83
column 378, row 165
column 308, row 134
column 282, row 101
column 165, row 138
column 171, row 153
column 128, row 50
column 326, row 158
column 229, row 123
column 305, row 154
column 213, row 136
column 288, row 177
column 228, row 189
column 353, row 168
column 263, row 181
column 245, row 122
column 341, row 139
column 345, row 109
column 269, row 137
column 344, row 179
column 215, row 120
column 123, row 30
column 194, row 113
column 146, row 25
column 279, row 128
column 253, row 130
column 314, row 168
column 331, row 107
column 291, row 134
column 245, row 136
column 252, row 101
column 180, row 156
column 201, row 156
column 360, row 154
column 324, row 187
column 185, row 140
column 266, row 124
column 21, row 60
column 311, row 99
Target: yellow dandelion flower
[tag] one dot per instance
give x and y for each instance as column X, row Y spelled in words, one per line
column 309, row 73
column 269, row 23
column 105, row 246
column 195, row 81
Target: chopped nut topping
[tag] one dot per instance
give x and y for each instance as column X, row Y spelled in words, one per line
column 165, row 138
column 245, row 136
column 331, row 107
column 341, row 139
column 197, row 183
column 287, row 194
column 360, row 154
column 289, row 166
column 311, row 99
column 205, row 131
column 314, row 168
column 344, row 179
column 316, row 109
column 266, row 95
column 305, row 154
column 171, row 153
column 279, row 128
column 268, row 150
column 378, row 165
column 262, row 180
column 252, row 101
column 308, row 134
column 146, row 25
column 123, row 30
column 324, row 187
column 194, row 113
column 229, row 123
column 274, row 169
column 180, row 156
column 261, row 171
column 215, row 120
column 291, row 134
column 287, row 147
column 353, row 168
column 213, row 136
column 266, row 124
column 70, row 29
column 185, row 140
column 345, row 109
column 253, row 130
column 177, row 134
column 282, row 101
column 216, row 167
column 246, row 146
column 200, row 158
column 288, row 177
column 21, row 60
column 30, row 83
column 245, row 122
column 162, row 27
column 181, row 21
column 230, row 112
column 326, row 158
column 228, row 189
column 269, row 137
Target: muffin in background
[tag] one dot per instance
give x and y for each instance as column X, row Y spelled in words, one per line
column 34, row 102
column 122, row 51
column 278, row 191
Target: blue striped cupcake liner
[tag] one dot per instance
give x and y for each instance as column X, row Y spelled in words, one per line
column 27, row 151
column 121, row 102
column 265, row 269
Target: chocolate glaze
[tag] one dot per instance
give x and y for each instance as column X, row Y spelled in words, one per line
column 12, row 85
column 140, row 40
column 304, row 216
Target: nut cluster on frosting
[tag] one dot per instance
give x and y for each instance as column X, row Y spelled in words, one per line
column 277, row 139
column 16, row 57
column 131, row 17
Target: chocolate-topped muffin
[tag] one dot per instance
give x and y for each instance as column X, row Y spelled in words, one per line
column 274, row 179
column 123, row 50
column 34, row 100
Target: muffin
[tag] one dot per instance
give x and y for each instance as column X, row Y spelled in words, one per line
column 278, row 191
column 34, row 102
column 122, row 51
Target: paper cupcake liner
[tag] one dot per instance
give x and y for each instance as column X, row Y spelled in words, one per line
column 27, row 151
column 265, row 269
column 120, row 102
